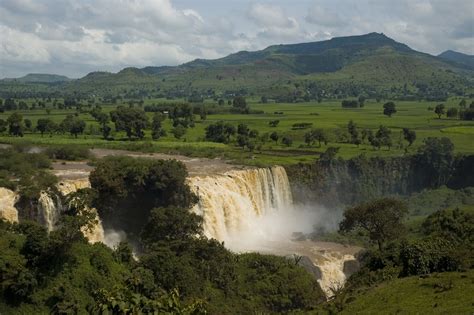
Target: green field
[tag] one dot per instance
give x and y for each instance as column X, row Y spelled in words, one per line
column 326, row 115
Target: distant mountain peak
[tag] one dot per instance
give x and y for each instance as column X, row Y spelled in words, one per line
column 43, row 78
column 458, row 58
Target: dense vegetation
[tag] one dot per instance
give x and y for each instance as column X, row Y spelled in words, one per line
column 178, row 271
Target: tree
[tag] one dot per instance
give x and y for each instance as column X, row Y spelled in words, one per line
column 462, row 104
column 221, row 102
column 389, row 109
column 130, row 120
column 10, row 104
column 274, row 136
column 315, row 135
column 240, row 104
column 409, row 135
column 439, row 110
column 452, row 112
column 354, row 133
column 157, row 130
column 171, row 224
column 286, row 140
column 219, row 132
column 127, row 189
column 3, row 125
column 28, row 124
column 22, row 105
column 74, row 125
column 264, row 100
column 15, row 124
column 381, row 218
column 243, row 129
column 384, row 136
column 362, row 101
column 178, row 131
column 242, row 140
column 44, row 125
column 273, row 123
column 103, row 120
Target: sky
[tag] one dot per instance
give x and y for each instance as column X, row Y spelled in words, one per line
column 75, row 37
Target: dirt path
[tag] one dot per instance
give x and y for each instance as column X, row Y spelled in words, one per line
column 195, row 166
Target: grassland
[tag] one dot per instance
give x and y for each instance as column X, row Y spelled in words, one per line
column 326, row 115
column 444, row 293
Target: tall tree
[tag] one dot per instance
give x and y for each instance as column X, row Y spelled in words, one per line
column 409, row 136
column 131, row 120
column 439, row 110
column 381, row 218
column 15, row 125
column 389, row 109
column 157, row 130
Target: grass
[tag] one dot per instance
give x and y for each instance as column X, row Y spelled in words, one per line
column 444, row 293
column 326, row 115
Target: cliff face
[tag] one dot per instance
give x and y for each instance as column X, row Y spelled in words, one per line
column 8, row 199
column 351, row 181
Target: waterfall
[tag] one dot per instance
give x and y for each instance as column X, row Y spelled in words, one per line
column 253, row 210
column 332, row 270
column 231, row 201
column 8, row 198
column 49, row 209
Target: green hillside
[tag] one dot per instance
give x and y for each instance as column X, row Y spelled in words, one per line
column 371, row 64
column 460, row 58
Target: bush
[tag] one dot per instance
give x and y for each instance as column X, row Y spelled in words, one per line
column 68, row 152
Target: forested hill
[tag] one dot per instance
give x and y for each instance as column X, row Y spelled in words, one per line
column 459, row 58
column 370, row 64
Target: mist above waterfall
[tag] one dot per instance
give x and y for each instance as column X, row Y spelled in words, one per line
column 274, row 228
column 253, row 210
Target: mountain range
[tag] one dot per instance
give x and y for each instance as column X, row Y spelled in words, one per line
column 370, row 62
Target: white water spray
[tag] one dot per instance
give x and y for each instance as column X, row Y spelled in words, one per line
column 252, row 210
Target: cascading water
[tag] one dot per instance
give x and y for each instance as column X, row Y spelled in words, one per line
column 229, row 203
column 49, row 209
column 252, row 210
column 8, row 199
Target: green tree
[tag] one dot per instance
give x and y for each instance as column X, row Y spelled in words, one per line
column 239, row 103
column 170, row 224
column 286, row 140
column 15, row 125
column 127, row 189
column 439, row 110
column 409, row 136
column 389, row 109
column 452, row 112
column 103, row 119
column 220, row 132
column 274, row 136
column 157, row 130
column 44, row 125
column 353, row 132
column 3, row 125
column 273, row 123
column 383, row 135
column 178, row 131
column 381, row 218
column 74, row 125
column 131, row 120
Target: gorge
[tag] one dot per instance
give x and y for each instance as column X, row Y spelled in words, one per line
column 248, row 209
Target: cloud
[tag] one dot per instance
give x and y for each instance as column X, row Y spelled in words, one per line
column 74, row 37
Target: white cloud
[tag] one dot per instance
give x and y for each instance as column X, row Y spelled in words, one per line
column 76, row 36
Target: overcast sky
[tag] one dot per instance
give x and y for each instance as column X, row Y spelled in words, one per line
column 74, row 37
